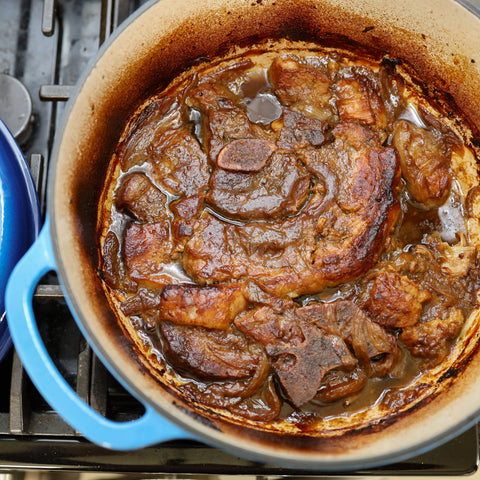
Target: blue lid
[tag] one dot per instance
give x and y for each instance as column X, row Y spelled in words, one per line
column 19, row 218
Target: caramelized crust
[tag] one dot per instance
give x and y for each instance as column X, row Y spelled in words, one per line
column 211, row 306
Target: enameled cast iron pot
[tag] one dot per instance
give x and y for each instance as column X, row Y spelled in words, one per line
column 439, row 38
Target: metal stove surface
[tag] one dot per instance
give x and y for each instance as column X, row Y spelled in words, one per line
column 44, row 46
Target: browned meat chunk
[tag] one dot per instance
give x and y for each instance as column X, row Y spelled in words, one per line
column 113, row 267
column 364, row 182
column 296, row 131
column 396, row 301
column 357, row 174
column 278, row 258
column 154, row 124
column 223, row 120
column 354, row 100
column 179, row 164
column 302, row 87
column 424, row 162
column 143, row 303
column 432, row 340
column 350, row 244
column 213, row 354
column 373, row 345
column 245, row 155
column 339, row 384
column 278, row 190
column 141, row 199
column 415, row 284
column 209, row 306
column 186, row 211
column 147, row 249
column 301, row 354
column 359, row 99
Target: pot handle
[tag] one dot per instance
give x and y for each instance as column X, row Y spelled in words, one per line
column 149, row 429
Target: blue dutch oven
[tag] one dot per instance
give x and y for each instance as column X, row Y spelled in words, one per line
column 156, row 44
column 19, row 218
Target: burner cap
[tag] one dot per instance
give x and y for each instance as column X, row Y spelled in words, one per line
column 15, row 107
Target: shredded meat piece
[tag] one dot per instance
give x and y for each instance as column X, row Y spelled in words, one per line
column 373, row 345
column 456, row 260
column 209, row 306
column 425, row 163
column 300, row 353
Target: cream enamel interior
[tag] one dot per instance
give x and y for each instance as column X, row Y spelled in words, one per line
column 439, row 38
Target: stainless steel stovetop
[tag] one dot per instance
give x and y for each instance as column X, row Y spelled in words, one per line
column 44, row 46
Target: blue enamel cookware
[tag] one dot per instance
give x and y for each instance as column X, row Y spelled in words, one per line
column 19, row 218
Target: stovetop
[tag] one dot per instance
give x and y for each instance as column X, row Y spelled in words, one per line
column 44, row 46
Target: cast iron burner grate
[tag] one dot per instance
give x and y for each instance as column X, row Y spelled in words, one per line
column 45, row 45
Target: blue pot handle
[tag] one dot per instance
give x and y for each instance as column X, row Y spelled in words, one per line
column 149, row 429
